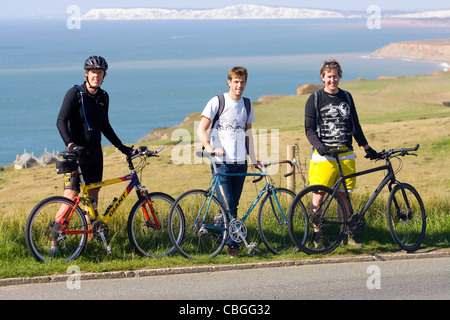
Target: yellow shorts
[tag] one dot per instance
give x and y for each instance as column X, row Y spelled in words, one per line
column 323, row 170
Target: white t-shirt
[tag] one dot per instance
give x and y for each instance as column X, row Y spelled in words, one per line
column 229, row 130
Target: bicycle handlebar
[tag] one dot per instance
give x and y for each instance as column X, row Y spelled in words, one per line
column 144, row 151
column 335, row 153
column 381, row 155
column 268, row 163
column 141, row 151
column 205, row 154
column 403, row 152
column 264, row 165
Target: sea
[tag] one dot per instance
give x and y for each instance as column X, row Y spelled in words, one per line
column 162, row 70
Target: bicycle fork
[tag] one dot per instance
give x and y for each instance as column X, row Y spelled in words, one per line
column 404, row 215
column 149, row 214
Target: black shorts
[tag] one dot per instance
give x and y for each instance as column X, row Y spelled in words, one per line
column 92, row 172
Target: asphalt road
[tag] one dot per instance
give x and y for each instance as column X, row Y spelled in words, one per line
column 426, row 278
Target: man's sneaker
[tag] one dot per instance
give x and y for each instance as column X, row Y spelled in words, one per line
column 349, row 241
column 318, row 241
column 53, row 251
column 56, row 227
column 232, row 252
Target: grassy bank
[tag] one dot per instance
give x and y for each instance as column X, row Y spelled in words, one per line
column 398, row 112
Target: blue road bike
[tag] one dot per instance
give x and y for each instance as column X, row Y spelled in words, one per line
column 205, row 223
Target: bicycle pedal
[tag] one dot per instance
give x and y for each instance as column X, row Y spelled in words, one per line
column 253, row 248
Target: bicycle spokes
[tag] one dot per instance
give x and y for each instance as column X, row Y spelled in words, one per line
column 148, row 225
column 202, row 228
column 47, row 239
column 273, row 221
column 406, row 217
column 317, row 220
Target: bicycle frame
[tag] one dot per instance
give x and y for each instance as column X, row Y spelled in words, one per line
column 389, row 178
column 216, row 182
column 109, row 212
column 141, row 191
column 238, row 226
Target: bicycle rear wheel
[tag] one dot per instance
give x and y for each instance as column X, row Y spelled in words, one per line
column 406, row 217
column 324, row 227
column 42, row 233
column 147, row 225
column 273, row 221
column 202, row 227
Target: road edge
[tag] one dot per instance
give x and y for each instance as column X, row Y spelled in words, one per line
column 439, row 253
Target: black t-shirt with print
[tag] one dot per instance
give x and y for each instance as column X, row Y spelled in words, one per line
column 338, row 120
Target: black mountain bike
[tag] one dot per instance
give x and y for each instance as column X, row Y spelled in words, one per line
column 327, row 221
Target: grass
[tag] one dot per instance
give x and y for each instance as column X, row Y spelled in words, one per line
column 394, row 113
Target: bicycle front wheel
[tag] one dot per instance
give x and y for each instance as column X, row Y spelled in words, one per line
column 317, row 220
column 46, row 240
column 406, row 217
column 147, row 225
column 273, row 221
column 202, row 227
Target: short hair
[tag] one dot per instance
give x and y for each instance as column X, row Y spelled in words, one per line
column 329, row 65
column 238, row 72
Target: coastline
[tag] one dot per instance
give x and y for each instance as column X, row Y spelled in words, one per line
column 47, row 139
column 431, row 50
column 434, row 50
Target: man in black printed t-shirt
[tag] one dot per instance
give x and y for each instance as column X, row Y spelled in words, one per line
column 331, row 121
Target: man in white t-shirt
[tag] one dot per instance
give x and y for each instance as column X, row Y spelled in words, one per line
column 230, row 139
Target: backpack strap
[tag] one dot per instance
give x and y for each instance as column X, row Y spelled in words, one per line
column 82, row 106
column 219, row 112
column 316, row 108
column 349, row 100
column 221, row 98
column 248, row 107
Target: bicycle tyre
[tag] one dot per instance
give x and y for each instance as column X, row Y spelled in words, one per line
column 193, row 234
column 332, row 224
column 38, row 231
column 407, row 229
column 273, row 221
column 147, row 238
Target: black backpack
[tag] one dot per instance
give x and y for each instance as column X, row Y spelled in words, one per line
column 222, row 106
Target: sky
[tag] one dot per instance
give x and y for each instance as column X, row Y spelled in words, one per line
column 17, row 9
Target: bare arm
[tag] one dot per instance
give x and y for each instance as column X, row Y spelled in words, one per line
column 203, row 135
column 250, row 146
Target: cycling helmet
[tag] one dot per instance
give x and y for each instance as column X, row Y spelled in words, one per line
column 95, row 62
